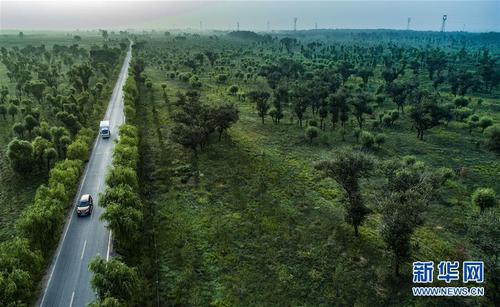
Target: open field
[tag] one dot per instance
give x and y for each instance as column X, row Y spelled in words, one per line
column 261, row 225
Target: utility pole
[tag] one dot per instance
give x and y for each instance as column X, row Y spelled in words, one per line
column 201, row 26
column 268, row 27
column 408, row 24
column 295, row 24
column 238, row 26
column 443, row 25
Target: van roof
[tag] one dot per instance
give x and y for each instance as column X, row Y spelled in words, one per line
column 85, row 197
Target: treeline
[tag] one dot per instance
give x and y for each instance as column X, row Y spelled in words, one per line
column 115, row 283
column 22, row 259
column 58, row 94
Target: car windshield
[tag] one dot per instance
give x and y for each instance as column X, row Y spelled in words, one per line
column 104, row 130
column 83, row 203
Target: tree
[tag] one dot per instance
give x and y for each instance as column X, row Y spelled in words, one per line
column 345, row 69
column 361, row 105
column 104, row 34
column 12, row 110
column 484, row 231
column 30, row 123
column 484, row 198
column 4, row 92
column 399, row 91
column 80, row 75
column 78, row 150
column 18, row 128
column 123, row 195
column 69, row 120
column 365, row 75
column 39, row 146
column 232, row 90
column 426, row 115
column 224, row 116
column 35, row 88
column 60, row 138
column 493, row 135
column 114, row 279
column 407, row 191
column 20, row 154
column 50, row 154
column 338, row 106
column 367, row 139
column 192, row 124
column 260, row 98
column 485, row 122
column 122, row 175
column 3, row 111
column 312, row 133
column 347, row 168
column 299, row 97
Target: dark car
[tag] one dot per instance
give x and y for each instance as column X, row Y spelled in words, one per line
column 85, row 205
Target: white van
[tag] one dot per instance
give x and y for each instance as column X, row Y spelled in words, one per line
column 104, row 129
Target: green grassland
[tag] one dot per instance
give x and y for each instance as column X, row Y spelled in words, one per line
column 262, row 227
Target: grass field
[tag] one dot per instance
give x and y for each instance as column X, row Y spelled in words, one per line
column 262, row 226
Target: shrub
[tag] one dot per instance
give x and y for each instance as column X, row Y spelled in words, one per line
column 222, row 78
column 232, row 90
column 493, row 135
column 311, row 133
column 313, row 123
column 485, row 122
column 380, row 139
column 484, row 198
column 367, row 139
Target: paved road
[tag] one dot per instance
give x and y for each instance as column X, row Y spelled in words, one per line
column 68, row 282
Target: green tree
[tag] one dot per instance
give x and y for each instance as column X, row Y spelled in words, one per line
column 360, row 106
column 223, row 117
column 408, row 189
column 30, row 123
column 122, row 175
column 347, row 168
column 260, row 99
column 3, row 111
column 338, row 107
column 20, row 154
column 426, row 115
column 484, row 231
column 116, row 281
column 18, row 128
column 78, row 150
column 49, row 154
column 485, row 122
column 36, row 88
column 12, row 110
column 484, row 198
column 39, row 146
column 79, row 76
column 493, row 136
column 312, row 133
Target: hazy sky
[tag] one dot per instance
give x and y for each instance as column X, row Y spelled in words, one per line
column 474, row 16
